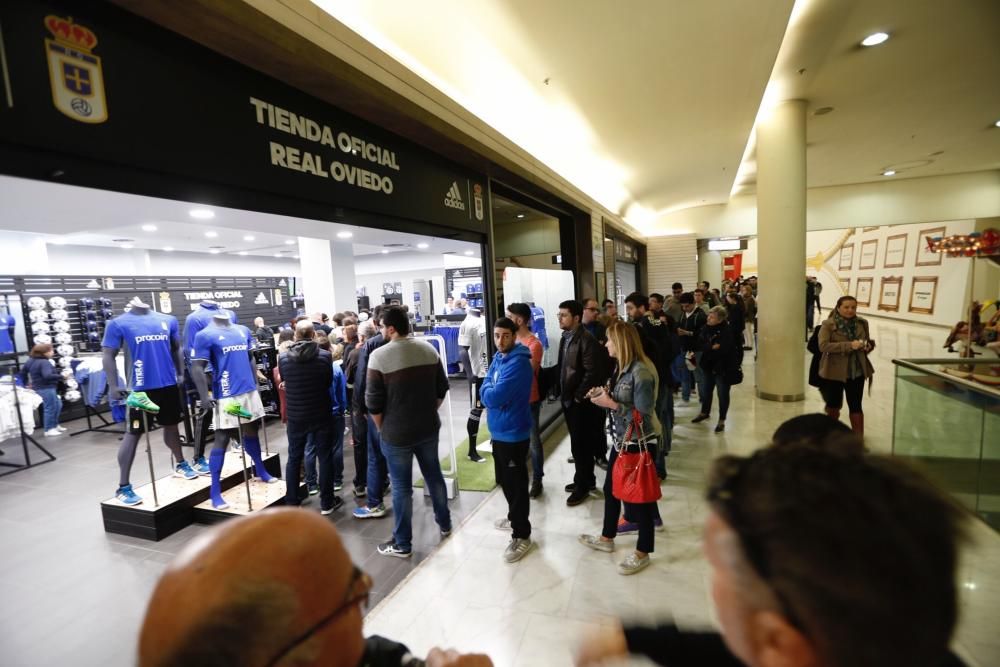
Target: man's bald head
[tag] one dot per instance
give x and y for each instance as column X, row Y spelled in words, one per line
column 304, row 330
column 248, row 590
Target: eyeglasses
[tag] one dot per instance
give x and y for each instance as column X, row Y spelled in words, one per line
column 725, row 495
column 351, row 598
column 591, row 308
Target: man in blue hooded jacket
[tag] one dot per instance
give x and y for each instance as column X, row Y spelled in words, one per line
column 505, row 394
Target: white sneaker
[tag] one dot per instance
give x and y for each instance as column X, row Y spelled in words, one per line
column 62, row 429
column 52, row 432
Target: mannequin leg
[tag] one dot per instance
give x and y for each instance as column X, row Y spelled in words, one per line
column 215, row 461
column 172, row 439
column 126, row 455
column 472, row 426
column 251, row 442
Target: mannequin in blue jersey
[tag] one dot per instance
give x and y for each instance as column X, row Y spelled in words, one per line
column 7, row 327
column 227, row 347
column 153, row 366
column 198, row 319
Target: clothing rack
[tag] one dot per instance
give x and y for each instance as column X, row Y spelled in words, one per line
column 103, row 426
column 25, row 438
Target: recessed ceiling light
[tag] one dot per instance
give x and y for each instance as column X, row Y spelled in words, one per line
column 875, row 39
column 213, row 251
column 520, row 215
column 423, row 246
column 201, row 213
column 167, row 248
column 384, row 251
column 249, row 237
column 344, row 235
column 888, row 172
column 997, row 124
column 211, row 235
column 468, row 252
column 148, row 227
column 295, row 256
column 242, row 252
column 289, row 242
column 277, row 254
column 128, row 246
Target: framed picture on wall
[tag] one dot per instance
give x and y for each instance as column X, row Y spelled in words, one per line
column 889, row 289
column 846, row 256
column 845, row 285
column 869, row 254
column 869, row 229
column 895, row 251
column 923, row 293
column 864, row 292
column 925, row 257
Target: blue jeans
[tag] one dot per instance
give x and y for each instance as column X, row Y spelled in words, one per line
column 377, row 466
column 690, row 379
column 400, row 460
column 679, row 370
column 51, row 407
column 709, row 384
column 537, row 455
column 338, row 454
column 298, row 434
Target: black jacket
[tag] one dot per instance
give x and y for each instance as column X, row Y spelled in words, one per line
column 307, row 372
column 724, row 360
column 41, row 373
column 693, row 321
column 361, row 370
column 737, row 318
column 583, row 364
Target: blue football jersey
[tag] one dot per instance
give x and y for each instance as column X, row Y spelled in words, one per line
column 149, row 361
column 227, row 349
column 200, row 318
column 7, row 324
column 538, row 326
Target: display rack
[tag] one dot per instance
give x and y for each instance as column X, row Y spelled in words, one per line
column 26, row 439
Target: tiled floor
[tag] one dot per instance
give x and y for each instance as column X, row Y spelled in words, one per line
column 533, row 612
column 71, row 594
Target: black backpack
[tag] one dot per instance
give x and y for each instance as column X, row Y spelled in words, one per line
column 813, row 346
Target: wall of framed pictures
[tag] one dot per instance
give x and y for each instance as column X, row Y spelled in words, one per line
column 889, row 270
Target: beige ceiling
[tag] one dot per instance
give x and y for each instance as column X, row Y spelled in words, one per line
column 648, row 105
column 647, row 101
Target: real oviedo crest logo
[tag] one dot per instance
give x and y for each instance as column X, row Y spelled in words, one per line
column 74, row 71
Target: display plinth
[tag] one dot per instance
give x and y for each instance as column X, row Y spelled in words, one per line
column 178, row 498
column 263, row 496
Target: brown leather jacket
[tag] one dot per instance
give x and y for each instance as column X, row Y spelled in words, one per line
column 836, row 350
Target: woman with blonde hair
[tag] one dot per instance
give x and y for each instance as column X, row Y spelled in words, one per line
column 635, row 388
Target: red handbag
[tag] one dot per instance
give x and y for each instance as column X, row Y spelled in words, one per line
column 634, row 479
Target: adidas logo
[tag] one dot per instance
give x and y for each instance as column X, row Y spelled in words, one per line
column 454, row 198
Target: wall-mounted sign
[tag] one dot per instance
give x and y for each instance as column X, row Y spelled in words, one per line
column 889, row 293
column 176, row 108
column 869, row 254
column 923, row 294
column 725, row 244
column 895, row 251
column 846, row 257
column 926, row 256
column 864, row 292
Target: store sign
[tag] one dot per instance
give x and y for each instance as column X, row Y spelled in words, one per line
column 228, row 299
column 156, row 102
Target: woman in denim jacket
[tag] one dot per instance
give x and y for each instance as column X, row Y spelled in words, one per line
column 635, row 387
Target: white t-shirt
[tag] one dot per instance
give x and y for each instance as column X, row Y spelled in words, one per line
column 472, row 334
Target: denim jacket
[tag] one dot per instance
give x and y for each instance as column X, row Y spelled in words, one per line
column 636, row 388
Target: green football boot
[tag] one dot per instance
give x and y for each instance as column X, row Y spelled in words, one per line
column 140, row 401
column 235, row 409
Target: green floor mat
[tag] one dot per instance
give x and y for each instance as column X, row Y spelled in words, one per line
column 471, row 476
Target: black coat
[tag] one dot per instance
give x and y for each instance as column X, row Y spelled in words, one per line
column 694, row 322
column 723, row 361
column 583, row 364
column 307, row 372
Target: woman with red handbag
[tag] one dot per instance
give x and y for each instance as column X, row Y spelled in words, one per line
column 631, row 477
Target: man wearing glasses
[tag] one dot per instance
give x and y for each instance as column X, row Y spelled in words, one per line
column 274, row 588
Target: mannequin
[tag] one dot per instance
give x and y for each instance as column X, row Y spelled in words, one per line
column 472, row 340
column 7, row 326
column 198, row 319
column 227, row 347
column 153, row 368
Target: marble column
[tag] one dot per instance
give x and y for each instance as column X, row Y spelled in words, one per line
column 781, row 243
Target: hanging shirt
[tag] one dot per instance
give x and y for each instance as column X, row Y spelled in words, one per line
column 228, row 350
column 7, row 324
column 200, row 318
column 477, row 347
column 538, row 325
column 147, row 339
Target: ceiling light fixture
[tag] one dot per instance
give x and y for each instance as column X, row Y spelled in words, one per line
column 211, row 235
column 888, row 172
column 295, row 256
column 997, row 124
column 520, row 216
column 148, row 227
column 128, row 246
column 167, row 248
column 243, row 253
column 213, row 251
column 201, row 213
column 249, row 237
column 468, row 252
column 344, row 235
column 423, row 246
column 384, row 251
column 277, row 254
column 875, row 39
column 289, row 242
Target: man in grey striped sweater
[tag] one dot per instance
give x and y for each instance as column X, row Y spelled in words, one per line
column 405, row 386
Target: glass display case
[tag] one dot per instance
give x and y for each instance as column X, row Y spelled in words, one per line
column 947, row 421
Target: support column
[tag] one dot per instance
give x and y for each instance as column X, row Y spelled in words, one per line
column 327, row 275
column 781, row 243
column 709, row 268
